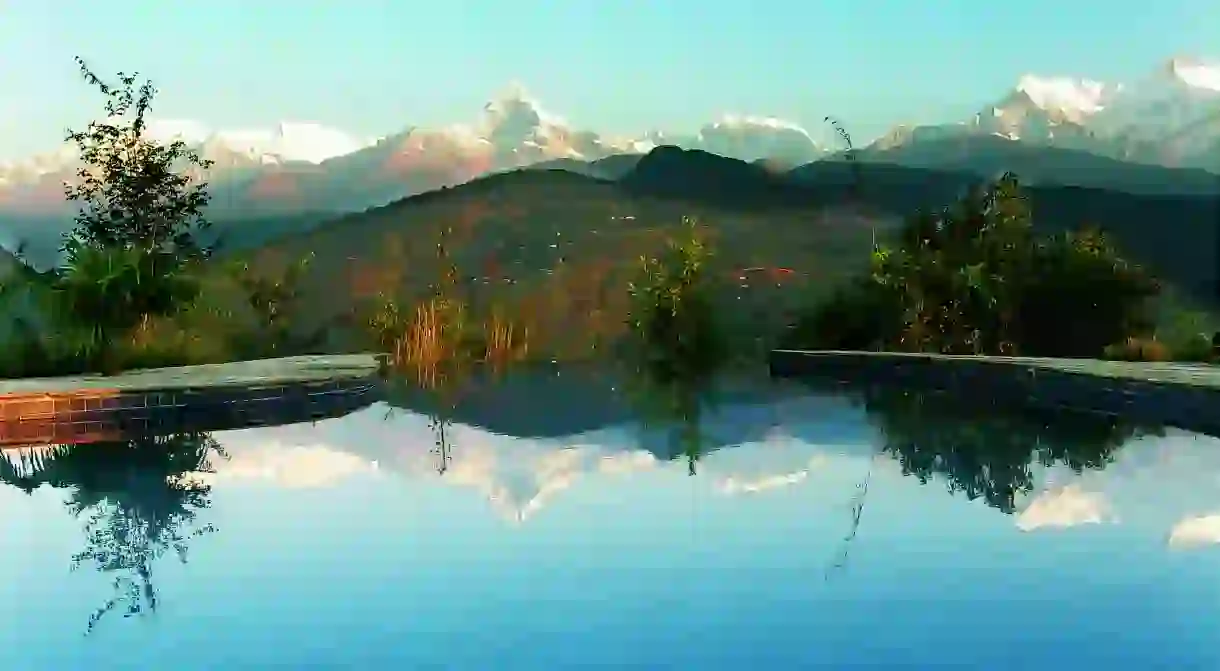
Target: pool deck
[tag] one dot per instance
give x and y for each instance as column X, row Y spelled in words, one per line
column 1185, row 395
column 83, row 408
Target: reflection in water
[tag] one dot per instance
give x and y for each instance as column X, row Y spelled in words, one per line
column 984, row 452
column 443, row 385
column 674, row 391
column 571, row 539
column 856, row 510
column 677, row 411
column 138, row 499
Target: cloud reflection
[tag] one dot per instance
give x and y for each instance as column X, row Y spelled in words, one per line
column 760, row 450
column 1065, row 507
column 1194, row 532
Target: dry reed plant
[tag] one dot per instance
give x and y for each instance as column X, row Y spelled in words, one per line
column 505, row 342
column 432, row 335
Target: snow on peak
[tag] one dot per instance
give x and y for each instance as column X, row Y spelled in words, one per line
column 169, row 130
column 752, row 121
column 1195, row 73
column 289, row 141
column 752, row 138
column 313, row 142
column 516, row 114
column 1075, row 98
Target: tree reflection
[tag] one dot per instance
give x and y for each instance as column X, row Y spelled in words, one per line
column 442, row 386
column 676, row 410
column 856, row 506
column 138, row 501
column 986, row 452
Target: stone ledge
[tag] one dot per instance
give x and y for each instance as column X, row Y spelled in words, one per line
column 62, row 414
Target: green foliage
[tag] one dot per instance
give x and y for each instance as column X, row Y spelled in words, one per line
column 976, row 280
column 93, row 302
column 132, row 253
column 854, row 317
column 677, row 342
column 672, row 318
column 1081, row 296
column 274, row 300
column 135, row 192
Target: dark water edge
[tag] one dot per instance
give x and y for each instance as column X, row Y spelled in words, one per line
column 1185, row 396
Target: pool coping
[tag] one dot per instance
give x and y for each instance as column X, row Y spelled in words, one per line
column 1183, row 395
column 208, row 397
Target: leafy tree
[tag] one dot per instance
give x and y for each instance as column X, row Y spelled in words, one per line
column 974, row 279
column 1081, row 296
column 676, row 336
column 131, row 253
column 956, row 275
column 678, row 344
column 274, row 299
column 135, row 192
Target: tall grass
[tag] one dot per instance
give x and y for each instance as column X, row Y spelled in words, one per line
column 506, row 342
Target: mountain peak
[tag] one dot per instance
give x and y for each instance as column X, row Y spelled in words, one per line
column 514, row 116
column 1194, row 72
column 1073, row 98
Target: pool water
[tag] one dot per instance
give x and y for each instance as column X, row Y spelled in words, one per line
column 803, row 530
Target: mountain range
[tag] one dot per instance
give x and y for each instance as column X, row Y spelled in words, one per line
column 1170, row 117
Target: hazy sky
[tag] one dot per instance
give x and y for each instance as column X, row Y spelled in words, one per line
column 375, row 66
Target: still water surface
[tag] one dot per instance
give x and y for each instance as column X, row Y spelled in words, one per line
column 814, row 533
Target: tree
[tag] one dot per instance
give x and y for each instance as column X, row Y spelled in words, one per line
column 974, row 279
column 957, row 275
column 677, row 342
column 274, row 299
column 1081, row 280
column 130, row 254
column 135, row 192
column 676, row 336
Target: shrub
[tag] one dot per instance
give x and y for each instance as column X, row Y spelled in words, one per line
column 676, row 337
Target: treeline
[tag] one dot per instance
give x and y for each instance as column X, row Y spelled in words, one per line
column 976, row 279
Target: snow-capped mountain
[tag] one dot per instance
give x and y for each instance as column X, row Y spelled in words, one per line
column 1170, row 117
column 1045, row 109
column 1179, row 95
column 287, row 141
column 309, row 166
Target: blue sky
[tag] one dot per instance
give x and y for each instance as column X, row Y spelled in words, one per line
column 375, row 66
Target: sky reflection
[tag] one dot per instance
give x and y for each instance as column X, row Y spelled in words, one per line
column 338, row 545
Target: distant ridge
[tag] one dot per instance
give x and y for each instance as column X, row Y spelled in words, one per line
column 692, row 174
column 988, row 156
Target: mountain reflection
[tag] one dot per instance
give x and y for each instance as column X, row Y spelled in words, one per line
column 981, row 452
column 526, row 536
column 142, row 499
column 139, row 499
